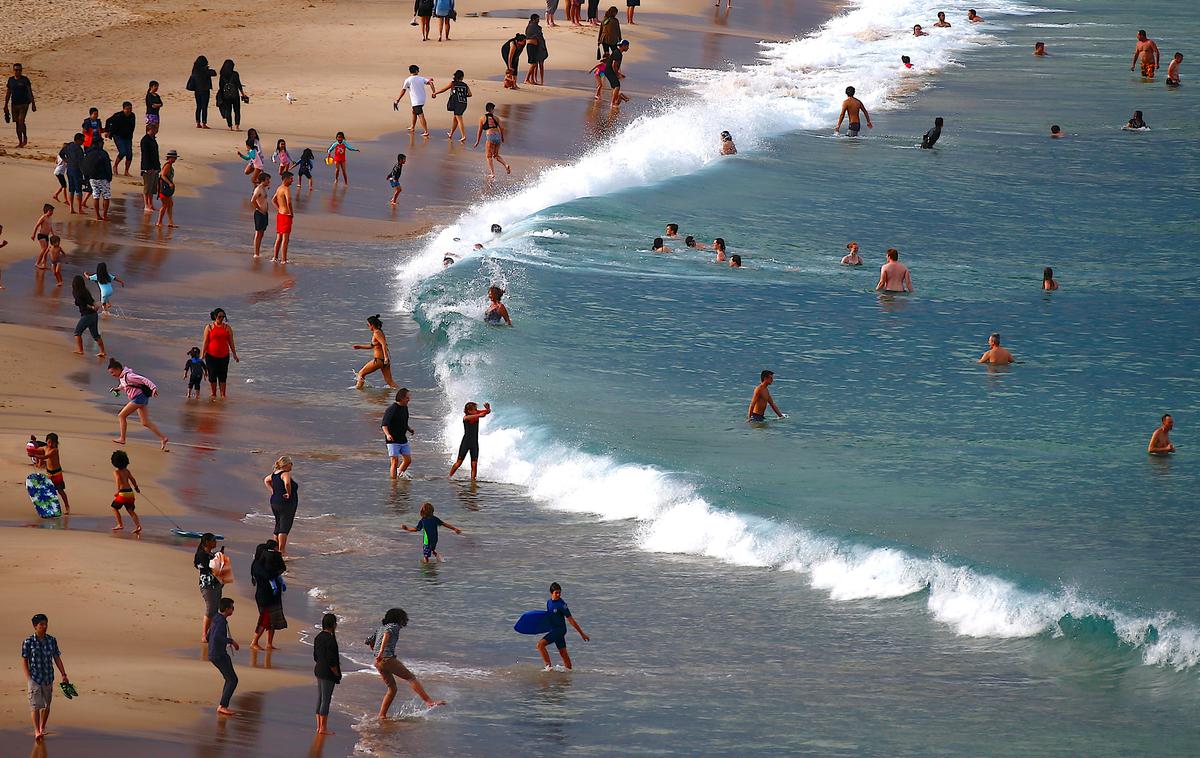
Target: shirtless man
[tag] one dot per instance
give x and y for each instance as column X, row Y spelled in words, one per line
column 974, row 17
column 1039, row 48
column 762, row 398
column 283, row 216
column 851, row 107
column 259, row 201
column 1160, row 441
column 996, row 355
column 1147, row 52
column 942, row 22
column 894, row 277
column 1173, row 70
column 673, row 231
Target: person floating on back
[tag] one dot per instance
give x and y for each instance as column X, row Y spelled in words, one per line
column 560, row 614
column 996, row 355
column 470, row 439
column 428, row 527
column 1160, row 441
column 931, row 137
column 126, row 486
column 757, row 412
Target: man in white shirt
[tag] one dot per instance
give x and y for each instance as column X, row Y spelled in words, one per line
column 415, row 85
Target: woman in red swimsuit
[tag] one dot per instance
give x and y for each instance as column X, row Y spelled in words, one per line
column 218, row 346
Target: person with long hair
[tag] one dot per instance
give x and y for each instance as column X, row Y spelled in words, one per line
column 201, row 87
column 381, row 359
column 266, row 574
column 166, row 190
column 457, row 104
column 535, row 49
column 609, row 33
column 1048, row 282
column 230, row 95
column 389, row 666
column 491, row 127
column 89, row 318
column 138, row 389
column 105, row 281
column 217, row 347
column 285, row 496
column 210, row 585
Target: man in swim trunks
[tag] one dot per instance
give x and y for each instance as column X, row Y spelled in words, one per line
column 996, row 355
column 762, row 398
column 1147, row 52
column 259, row 201
column 1160, row 441
column 54, row 469
column 894, row 277
column 395, row 433
column 931, row 137
column 283, row 217
column 1173, row 70
column 852, row 107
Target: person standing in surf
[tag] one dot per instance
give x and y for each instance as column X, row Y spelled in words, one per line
column 492, row 128
column 470, row 439
column 757, row 412
column 218, row 348
column 389, row 666
column 996, row 355
column 894, row 276
column 1160, row 441
column 558, row 616
column 285, row 496
column 852, row 107
column 382, row 358
column 428, row 527
column 1147, row 52
column 395, row 433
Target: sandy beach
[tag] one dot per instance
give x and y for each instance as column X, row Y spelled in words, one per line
column 126, row 610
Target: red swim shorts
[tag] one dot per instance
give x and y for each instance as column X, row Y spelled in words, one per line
column 283, row 224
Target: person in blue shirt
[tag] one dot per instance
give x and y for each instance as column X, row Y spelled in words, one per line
column 560, row 614
column 218, row 654
column 194, row 371
column 428, row 526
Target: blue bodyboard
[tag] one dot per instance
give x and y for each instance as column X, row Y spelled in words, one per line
column 44, row 495
column 533, row 622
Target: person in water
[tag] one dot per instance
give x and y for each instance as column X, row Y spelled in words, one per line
column 1056, row 132
column 672, row 231
column 1136, row 121
column 974, row 17
column 285, row 497
column 931, row 137
column 919, row 32
column 996, row 355
column 719, row 246
column 497, row 229
column 381, row 359
column 852, row 258
column 428, row 527
column 659, row 246
column 906, row 61
column 1048, row 282
column 1147, row 52
column 470, row 439
column 690, row 241
column 559, row 616
column 395, row 434
column 1173, row 70
column 894, row 276
column 1160, row 441
column 1039, row 48
column 496, row 310
column 735, row 261
column 727, row 146
column 761, row 398
column 852, row 107
column 942, row 23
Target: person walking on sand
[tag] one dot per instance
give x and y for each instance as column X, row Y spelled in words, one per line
column 283, row 218
column 285, row 497
column 1160, row 441
column 200, row 84
column 852, row 107
column 757, row 412
column 491, row 128
column 1145, row 51
column 150, row 167
column 470, row 438
column 996, row 355
column 166, row 190
column 126, row 487
column 258, row 201
column 218, row 654
column 327, row 669
column 423, row 9
column 559, row 616
column 230, row 95
column 154, row 104
column 389, row 666
column 444, row 10
column 395, row 434
column 217, row 348
column 72, row 155
column 266, row 574
column 138, row 389
column 39, row 656
column 609, row 34
column 457, row 104
column 89, row 316
column 18, row 102
column 210, row 583
column 630, row 7
column 381, row 358
column 894, row 276
column 119, row 128
column 415, row 86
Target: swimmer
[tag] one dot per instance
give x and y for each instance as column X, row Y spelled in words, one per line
column 851, row 107
column 904, row 59
column 1039, row 48
column 931, row 137
column 659, row 246
column 1136, row 121
column 1160, row 441
column 1056, row 132
column 496, row 230
column 1173, row 70
column 478, row 246
column 728, row 148
column 974, row 17
column 496, row 312
column 894, row 277
column 1048, row 282
column 762, row 398
column 735, row 261
column 691, row 242
column 852, row 258
column 448, row 260
column 919, row 32
column 996, row 355
column 1147, row 52
column 673, row 231
column 719, row 246
column 942, row 22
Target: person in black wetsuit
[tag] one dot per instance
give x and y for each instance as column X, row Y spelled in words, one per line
column 931, row 137
column 285, row 495
column 470, row 440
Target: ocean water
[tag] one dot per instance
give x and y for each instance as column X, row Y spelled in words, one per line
column 925, row 556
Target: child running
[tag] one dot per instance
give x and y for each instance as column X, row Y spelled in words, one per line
column 428, row 526
column 560, row 614
column 41, row 232
column 60, row 173
column 194, row 371
column 55, row 255
column 337, row 151
column 393, row 177
column 126, row 486
column 470, row 440
column 50, row 454
column 281, row 156
column 304, row 168
column 104, row 279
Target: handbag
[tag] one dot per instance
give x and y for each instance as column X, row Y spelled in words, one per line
column 191, row 84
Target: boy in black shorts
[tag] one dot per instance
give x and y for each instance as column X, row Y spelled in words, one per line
column 194, row 371
column 560, row 614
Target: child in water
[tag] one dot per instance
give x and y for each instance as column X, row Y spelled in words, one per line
column 304, row 169
column 104, row 279
column 496, row 310
column 560, row 614
column 194, row 371
column 281, row 156
column 428, row 527
column 126, row 486
column 393, row 177
column 337, row 151
column 55, row 255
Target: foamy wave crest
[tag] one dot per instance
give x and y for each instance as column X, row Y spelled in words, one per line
column 795, row 85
